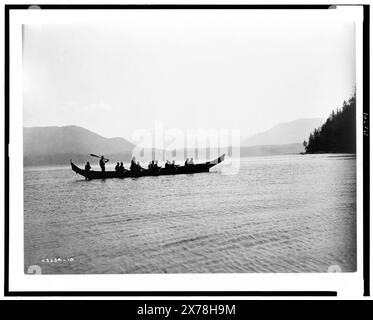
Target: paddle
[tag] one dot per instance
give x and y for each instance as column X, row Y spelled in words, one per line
column 94, row 155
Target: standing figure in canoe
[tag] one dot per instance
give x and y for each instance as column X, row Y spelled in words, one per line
column 102, row 163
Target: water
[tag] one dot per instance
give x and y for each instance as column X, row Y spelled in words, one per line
column 289, row 213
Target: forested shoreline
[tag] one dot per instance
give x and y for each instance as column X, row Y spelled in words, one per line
column 338, row 133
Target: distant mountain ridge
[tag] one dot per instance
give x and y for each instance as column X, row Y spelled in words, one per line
column 284, row 133
column 56, row 145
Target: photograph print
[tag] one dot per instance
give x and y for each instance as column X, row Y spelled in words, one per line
column 189, row 146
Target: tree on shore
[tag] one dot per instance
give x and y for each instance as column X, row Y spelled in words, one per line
column 338, row 133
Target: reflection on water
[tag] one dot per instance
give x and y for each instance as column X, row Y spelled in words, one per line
column 290, row 213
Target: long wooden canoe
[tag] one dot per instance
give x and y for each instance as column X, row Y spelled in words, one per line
column 195, row 168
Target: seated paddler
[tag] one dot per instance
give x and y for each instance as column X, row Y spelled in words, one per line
column 87, row 166
column 133, row 166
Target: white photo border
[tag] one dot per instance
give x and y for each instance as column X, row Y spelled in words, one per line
column 347, row 285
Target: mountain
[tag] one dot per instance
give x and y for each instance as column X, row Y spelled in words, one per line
column 57, row 145
column 284, row 133
column 338, row 133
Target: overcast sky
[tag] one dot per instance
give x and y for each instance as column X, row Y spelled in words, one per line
column 114, row 79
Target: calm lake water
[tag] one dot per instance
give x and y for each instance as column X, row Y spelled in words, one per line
column 290, row 213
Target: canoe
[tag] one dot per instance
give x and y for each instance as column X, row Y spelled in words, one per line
column 194, row 168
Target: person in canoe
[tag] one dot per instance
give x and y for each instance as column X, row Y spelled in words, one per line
column 117, row 167
column 186, row 162
column 173, row 165
column 102, row 163
column 87, row 168
column 121, row 168
column 133, row 166
column 170, row 166
column 153, row 167
column 191, row 161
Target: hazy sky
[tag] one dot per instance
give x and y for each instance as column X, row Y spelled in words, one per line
column 114, row 79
